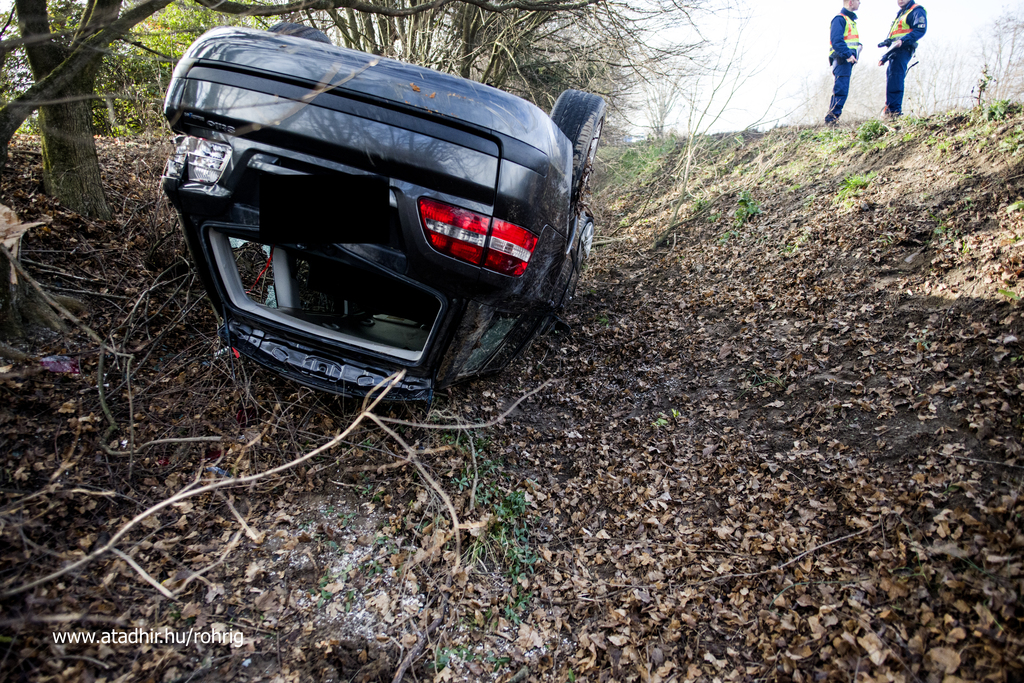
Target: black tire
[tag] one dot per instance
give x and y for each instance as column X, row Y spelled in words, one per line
column 299, row 31
column 580, row 115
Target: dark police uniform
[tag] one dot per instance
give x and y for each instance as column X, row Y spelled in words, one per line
column 910, row 26
column 845, row 44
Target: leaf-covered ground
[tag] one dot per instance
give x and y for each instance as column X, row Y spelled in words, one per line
column 783, row 445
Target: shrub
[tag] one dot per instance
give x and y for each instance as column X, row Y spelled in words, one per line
column 871, row 130
column 999, row 110
column 745, row 208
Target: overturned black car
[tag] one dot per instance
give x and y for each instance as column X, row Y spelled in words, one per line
column 351, row 216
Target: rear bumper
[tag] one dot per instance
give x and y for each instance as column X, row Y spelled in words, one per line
column 305, row 364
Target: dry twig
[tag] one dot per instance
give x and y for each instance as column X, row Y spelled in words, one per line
column 142, row 572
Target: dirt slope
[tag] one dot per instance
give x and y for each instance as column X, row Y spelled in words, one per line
column 783, row 445
column 791, row 426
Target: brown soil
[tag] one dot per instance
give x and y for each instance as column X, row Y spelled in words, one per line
column 786, row 447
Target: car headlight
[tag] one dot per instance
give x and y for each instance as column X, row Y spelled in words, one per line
column 175, row 165
column 205, row 159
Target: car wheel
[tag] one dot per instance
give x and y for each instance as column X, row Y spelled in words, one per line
column 580, row 115
column 300, row 31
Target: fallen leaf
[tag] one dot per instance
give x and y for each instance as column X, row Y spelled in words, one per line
column 873, row 645
column 266, row 602
column 947, row 549
column 943, row 659
column 528, row 638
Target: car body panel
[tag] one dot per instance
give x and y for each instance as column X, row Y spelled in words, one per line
column 356, row 141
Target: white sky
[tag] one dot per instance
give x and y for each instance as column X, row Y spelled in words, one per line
column 790, row 38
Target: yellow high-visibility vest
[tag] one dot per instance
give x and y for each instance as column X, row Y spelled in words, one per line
column 850, row 36
column 900, row 27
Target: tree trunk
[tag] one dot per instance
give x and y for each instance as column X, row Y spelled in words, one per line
column 10, row 321
column 21, row 307
column 71, row 168
column 20, row 304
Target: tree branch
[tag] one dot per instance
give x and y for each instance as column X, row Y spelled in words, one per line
column 238, row 8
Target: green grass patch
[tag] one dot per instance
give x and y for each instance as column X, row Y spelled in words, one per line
column 638, row 162
column 791, row 249
column 727, row 235
column 746, row 208
column 830, row 142
column 1013, row 142
column 872, row 130
column 852, row 187
column 505, row 544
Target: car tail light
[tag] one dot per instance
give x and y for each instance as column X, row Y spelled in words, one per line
column 453, row 231
column 464, row 235
column 509, row 249
column 175, row 166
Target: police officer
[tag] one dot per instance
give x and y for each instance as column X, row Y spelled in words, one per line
column 845, row 50
column 910, row 26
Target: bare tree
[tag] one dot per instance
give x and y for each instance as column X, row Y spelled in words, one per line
column 938, row 85
column 1001, row 52
column 709, row 93
column 662, row 98
column 708, row 88
column 599, row 47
